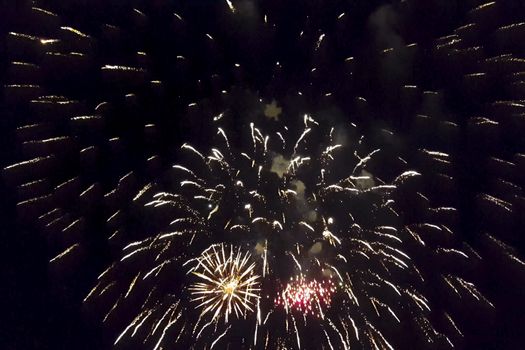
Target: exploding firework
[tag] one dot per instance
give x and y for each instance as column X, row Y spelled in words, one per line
column 228, row 283
column 326, row 252
column 346, row 241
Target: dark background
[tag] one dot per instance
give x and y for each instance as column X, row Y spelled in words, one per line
column 43, row 311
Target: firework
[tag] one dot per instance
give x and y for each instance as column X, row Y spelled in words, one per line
column 227, row 282
column 306, row 296
column 287, row 234
column 321, row 250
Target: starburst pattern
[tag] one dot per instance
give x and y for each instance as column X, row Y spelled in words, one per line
column 227, row 282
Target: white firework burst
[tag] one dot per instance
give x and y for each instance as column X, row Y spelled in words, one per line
column 325, row 246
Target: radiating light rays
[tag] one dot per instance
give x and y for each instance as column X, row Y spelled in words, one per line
column 227, row 282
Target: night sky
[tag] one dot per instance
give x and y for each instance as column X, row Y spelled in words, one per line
column 101, row 94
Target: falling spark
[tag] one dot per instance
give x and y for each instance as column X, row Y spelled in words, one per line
column 230, row 5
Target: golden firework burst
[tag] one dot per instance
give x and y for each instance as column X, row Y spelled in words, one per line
column 227, row 282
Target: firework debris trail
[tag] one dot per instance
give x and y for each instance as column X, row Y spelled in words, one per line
column 298, row 234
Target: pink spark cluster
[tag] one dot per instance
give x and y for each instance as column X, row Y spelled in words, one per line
column 306, row 296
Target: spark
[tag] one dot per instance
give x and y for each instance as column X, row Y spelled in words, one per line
column 230, row 5
column 219, row 337
column 318, row 44
column 65, row 252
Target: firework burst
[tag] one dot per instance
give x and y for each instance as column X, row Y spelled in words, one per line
column 347, row 241
column 326, row 248
column 227, row 282
column 306, row 296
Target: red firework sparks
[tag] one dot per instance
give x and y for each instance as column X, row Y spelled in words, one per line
column 306, row 296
